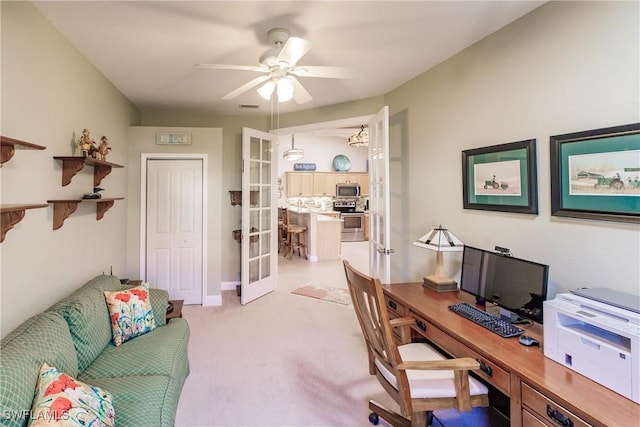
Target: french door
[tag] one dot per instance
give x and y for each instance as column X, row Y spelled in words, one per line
column 259, row 256
column 380, row 229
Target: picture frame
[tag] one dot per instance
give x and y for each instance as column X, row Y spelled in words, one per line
column 595, row 174
column 501, row 178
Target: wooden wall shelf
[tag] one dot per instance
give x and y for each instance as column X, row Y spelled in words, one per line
column 13, row 214
column 62, row 209
column 74, row 164
column 9, row 146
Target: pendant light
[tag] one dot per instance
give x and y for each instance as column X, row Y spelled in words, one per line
column 359, row 139
column 293, row 153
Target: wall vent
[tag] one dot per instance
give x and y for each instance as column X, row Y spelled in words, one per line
column 248, row 106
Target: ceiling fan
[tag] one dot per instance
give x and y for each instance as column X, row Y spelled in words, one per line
column 280, row 69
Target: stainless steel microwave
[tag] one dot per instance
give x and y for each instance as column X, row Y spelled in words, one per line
column 347, row 189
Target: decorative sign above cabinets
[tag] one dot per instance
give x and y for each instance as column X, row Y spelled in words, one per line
column 307, row 167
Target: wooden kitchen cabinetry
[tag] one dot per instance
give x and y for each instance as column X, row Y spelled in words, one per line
column 323, row 184
column 299, row 184
column 366, row 227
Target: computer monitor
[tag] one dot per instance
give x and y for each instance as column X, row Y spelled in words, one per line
column 517, row 285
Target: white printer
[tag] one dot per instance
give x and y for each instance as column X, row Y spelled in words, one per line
column 596, row 332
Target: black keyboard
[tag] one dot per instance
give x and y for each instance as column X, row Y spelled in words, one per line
column 501, row 327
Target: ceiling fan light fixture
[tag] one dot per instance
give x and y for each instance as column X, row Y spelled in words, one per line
column 359, row 139
column 293, row 153
column 285, row 90
column 266, row 90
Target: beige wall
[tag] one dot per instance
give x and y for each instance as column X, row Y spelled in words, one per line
column 232, row 158
column 50, row 92
column 230, row 176
column 565, row 67
column 206, row 141
column 568, row 66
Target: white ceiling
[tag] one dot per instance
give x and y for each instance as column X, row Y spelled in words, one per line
column 147, row 49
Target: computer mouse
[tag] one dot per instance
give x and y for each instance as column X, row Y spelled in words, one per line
column 528, row 341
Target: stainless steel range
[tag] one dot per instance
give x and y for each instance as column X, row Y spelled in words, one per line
column 352, row 220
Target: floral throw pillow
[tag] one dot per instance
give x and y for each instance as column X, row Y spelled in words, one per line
column 131, row 313
column 60, row 400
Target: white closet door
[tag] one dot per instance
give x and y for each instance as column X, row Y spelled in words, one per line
column 174, row 228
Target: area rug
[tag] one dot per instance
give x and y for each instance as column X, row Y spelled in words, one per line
column 325, row 293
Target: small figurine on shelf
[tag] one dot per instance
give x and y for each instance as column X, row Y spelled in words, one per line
column 95, row 194
column 103, row 148
column 85, row 143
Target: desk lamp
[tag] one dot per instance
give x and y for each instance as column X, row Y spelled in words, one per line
column 440, row 240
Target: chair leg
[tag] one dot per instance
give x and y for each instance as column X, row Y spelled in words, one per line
column 392, row 418
column 420, row 419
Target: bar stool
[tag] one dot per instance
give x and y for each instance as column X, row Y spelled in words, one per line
column 296, row 236
column 282, row 233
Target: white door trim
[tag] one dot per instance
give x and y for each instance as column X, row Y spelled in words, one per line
column 143, row 209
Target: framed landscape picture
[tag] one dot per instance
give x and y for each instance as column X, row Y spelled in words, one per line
column 595, row 174
column 501, row 178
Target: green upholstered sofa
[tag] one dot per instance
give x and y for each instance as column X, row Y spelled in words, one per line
column 145, row 375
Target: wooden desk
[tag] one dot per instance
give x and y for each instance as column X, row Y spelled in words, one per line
column 534, row 383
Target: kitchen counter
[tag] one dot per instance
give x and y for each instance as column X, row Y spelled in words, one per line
column 323, row 232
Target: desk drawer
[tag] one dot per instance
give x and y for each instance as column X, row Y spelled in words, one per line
column 395, row 307
column 488, row 370
column 530, row 420
column 545, row 409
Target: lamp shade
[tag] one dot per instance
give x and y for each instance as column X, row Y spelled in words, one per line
column 441, row 240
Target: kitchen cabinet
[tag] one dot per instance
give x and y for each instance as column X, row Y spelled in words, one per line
column 366, row 226
column 323, row 184
column 299, row 184
column 362, row 178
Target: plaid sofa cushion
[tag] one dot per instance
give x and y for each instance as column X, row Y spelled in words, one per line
column 161, row 353
column 87, row 315
column 43, row 338
column 141, row 401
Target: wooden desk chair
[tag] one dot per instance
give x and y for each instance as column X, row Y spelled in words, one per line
column 416, row 375
column 296, row 236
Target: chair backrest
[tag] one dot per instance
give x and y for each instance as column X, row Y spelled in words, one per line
column 371, row 311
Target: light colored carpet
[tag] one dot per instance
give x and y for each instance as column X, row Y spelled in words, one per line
column 324, row 293
column 282, row 360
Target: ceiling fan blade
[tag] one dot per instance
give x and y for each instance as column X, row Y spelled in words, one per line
column 300, row 94
column 231, row 67
column 245, row 87
column 325, row 72
column 293, row 49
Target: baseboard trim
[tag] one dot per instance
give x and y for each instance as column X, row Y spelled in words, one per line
column 212, row 300
column 229, row 286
